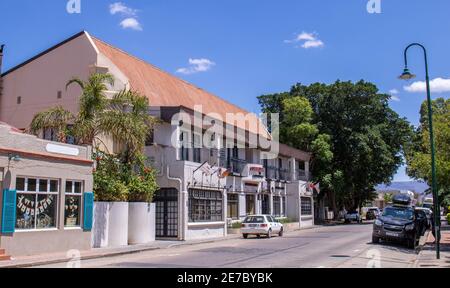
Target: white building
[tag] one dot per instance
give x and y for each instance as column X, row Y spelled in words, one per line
column 235, row 180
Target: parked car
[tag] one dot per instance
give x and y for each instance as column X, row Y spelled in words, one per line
column 429, row 215
column 261, row 225
column 372, row 213
column 399, row 222
column 352, row 216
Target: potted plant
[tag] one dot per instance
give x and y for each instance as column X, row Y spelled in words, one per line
column 110, row 227
column 141, row 217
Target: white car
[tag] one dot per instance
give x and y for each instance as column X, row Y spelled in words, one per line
column 261, row 225
column 352, row 216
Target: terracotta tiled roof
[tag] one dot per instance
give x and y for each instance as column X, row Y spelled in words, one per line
column 166, row 90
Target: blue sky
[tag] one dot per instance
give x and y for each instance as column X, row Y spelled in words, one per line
column 242, row 49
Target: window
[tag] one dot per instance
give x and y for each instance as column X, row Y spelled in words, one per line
column 184, row 152
column 250, row 204
column 59, row 95
column 197, row 148
column 205, row 206
column 306, row 206
column 72, row 205
column 19, row 100
column 233, row 206
column 50, row 134
column 277, row 206
column 37, row 203
column 284, row 205
column 150, row 140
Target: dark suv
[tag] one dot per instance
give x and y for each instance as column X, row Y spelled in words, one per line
column 399, row 222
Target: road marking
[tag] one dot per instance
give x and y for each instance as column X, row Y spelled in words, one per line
column 321, row 267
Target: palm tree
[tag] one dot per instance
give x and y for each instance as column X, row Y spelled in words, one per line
column 93, row 102
column 125, row 117
column 56, row 119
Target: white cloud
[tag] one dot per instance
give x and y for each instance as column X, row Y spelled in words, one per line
column 437, row 85
column 120, row 8
column 394, row 95
column 196, row 66
column 307, row 40
column 395, row 98
column 131, row 23
column 393, row 92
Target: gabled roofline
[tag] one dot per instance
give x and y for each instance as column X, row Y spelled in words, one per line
column 46, row 52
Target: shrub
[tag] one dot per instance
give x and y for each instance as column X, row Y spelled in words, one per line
column 286, row 221
column 236, row 225
column 118, row 181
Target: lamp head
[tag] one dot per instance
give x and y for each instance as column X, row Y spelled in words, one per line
column 406, row 75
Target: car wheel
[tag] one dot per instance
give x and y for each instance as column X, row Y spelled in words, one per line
column 375, row 240
column 258, row 236
column 281, row 233
column 269, row 234
column 411, row 243
column 245, row 236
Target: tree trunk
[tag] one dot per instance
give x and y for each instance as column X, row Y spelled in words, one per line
column 332, row 202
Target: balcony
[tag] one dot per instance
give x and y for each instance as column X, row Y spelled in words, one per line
column 275, row 173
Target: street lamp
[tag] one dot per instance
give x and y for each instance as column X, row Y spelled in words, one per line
column 407, row 75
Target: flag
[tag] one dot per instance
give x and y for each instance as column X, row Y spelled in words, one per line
column 206, row 169
column 224, row 173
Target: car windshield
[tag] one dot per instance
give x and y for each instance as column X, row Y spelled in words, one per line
column 254, row 219
column 392, row 212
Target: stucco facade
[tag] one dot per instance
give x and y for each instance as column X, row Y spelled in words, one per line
column 187, row 194
column 25, row 156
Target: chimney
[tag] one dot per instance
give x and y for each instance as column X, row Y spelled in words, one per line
column 1, row 78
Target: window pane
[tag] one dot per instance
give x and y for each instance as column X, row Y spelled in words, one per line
column 43, row 185
column 72, row 211
column 20, row 184
column 53, row 185
column 77, row 187
column 25, row 211
column 46, row 211
column 32, row 183
column 68, row 186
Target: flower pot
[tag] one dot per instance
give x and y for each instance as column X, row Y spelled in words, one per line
column 141, row 223
column 110, row 228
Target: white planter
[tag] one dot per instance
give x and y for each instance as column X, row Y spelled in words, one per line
column 110, row 228
column 141, row 223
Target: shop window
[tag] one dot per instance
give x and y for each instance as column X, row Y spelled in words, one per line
column 205, row 206
column 306, row 205
column 37, row 203
column 72, row 207
column 250, row 204
column 233, row 206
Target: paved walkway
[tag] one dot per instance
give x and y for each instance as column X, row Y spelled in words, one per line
column 427, row 257
column 70, row 256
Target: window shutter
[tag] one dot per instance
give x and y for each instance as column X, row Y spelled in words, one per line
column 9, row 211
column 88, row 211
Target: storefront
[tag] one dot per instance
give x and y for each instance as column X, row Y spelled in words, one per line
column 46, row 203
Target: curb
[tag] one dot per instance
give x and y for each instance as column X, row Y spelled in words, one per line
column 31, row 264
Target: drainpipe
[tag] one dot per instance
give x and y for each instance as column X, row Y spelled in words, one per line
column 1, row 78
column 181, row 204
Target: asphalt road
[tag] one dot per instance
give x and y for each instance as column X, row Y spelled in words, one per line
column 322, row 247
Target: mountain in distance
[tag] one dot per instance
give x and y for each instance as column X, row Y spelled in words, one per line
column 414, row 186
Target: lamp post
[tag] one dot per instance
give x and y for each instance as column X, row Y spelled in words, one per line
column 407, row 75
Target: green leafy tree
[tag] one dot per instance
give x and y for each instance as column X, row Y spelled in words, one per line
column 419, row 153
column 359, row 138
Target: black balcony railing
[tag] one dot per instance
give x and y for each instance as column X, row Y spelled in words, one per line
column 236, row 166
column 302, row 175
column 275, row 173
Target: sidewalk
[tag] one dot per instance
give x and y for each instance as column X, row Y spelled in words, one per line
column 47, row 259
column 427, row 257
